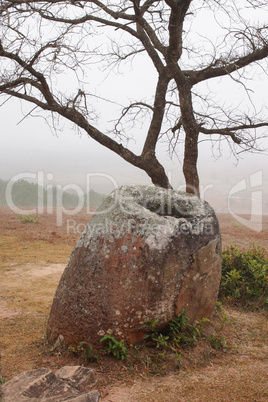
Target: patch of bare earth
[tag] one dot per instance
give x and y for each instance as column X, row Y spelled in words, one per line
column 32, row 259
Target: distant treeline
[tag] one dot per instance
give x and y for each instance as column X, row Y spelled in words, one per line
column 25, row 194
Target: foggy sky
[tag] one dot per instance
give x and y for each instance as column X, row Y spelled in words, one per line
column 31, row 146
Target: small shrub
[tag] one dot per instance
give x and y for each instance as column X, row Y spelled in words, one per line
column 151, row 324
column 89, row 354
column 28, row 218
column 115, row 347
column 160, row 340
column 218, row 342
column 245, row 276
column 183, row 332
column 180, row 332
column 86, row 349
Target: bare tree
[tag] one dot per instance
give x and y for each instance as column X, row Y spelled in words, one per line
column 41, row 40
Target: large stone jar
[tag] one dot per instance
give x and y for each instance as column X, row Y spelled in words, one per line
column 147, row 253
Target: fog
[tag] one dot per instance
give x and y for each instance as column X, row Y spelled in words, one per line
column 31, row 145
column 66, row 158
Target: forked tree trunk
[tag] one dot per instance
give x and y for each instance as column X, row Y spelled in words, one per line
column 156, row 172
column 190, row 164
column 191, row 138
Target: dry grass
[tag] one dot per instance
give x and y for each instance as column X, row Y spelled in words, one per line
column 26, row 296
column 21, row 251
column 22, row 243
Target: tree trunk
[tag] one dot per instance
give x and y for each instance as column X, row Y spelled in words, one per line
column 190, row 163
column 191, row 137
column 155, row 171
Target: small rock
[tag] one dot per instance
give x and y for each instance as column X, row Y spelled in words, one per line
column 43, row 385
column 104, row 391
column 60, row 343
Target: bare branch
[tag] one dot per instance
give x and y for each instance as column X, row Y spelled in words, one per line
column 227, row 68
column 46, row 43
column 44, row 88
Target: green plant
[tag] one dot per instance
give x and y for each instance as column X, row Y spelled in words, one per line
column 160, row 340
column 88, row 351
column 183, row 332
column 151, row 324
column 245, row 276
column 28, row 218
column 115, row 347
column 179, row 359
column 86, row 348
column 180, row 331
column 218, row 342
column 220, row 320
column 181, row 322
column 222, row 316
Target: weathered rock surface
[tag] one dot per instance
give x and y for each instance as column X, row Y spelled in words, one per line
column 69, row 383
column 147, row 253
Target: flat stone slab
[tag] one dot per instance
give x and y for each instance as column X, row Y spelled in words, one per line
column 72, row 383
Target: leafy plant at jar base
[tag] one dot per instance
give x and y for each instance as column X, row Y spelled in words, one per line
column 183, row 332
column 86, row 349
column 115, row 347
column 151, row 324
column 180, row 331
column 159, row 339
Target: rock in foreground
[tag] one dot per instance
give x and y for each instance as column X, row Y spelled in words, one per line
column 70, row 383
column 147, row 253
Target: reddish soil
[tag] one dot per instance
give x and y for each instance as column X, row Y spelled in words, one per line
column 234, row 232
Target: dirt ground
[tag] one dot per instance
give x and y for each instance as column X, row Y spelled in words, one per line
column 32, row 259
